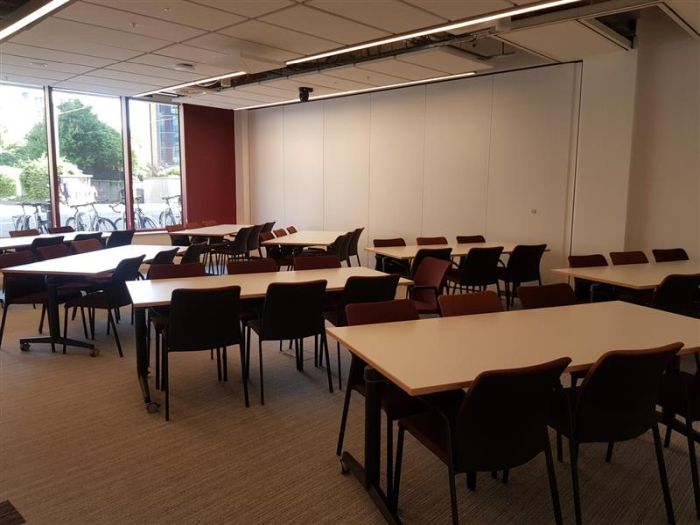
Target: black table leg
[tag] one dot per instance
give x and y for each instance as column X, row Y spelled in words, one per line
column 143, row 358
column 54, row 338
column 368, row 474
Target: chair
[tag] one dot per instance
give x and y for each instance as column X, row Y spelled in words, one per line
column 114, row 295
column 387, row 264
column 86, row 236
column 316, row 262
column 615, row 402
column 678, row 294
column 291, row 311
column 177, row 240
column 121, row 238
column 500, row 423
column 340, row 248
column 254, row 240
column 470, row 239
column 523, row 267
column 40, row 242
column 274, row 251
column 631, row 257
column 469, row 304
column 267, row 227
column 88, row 245
column 436, row 253
column 166, row 257
column 60, row 229
column 193, row 253
column 252, row 266
column 424, row 241
column 671, row 254
column 427, row 285
column 360, row 290
column 210, row 222
column 586, row 290
column 202, row 320
column 394, row 402
column 477, row 269
column 53, row 251
column 353, row 247
column 546, row 296
column 23, row 233
column 291, row 229
column 231, row 250
column 280, row 233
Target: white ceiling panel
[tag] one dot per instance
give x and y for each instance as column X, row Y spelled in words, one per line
column 191, row 54
column 99, row 88
column 112, row 74
column 390, row 15
column 229, row 45
column 41, row 53
column 258, row 98
column 185, row 13
column 284, row 94
column 293, row 85
column 445, row 59
column 34, row 72
column 688, row 10
column 279, row 37
column 131, row 88
column 459, row 9
column 324, row 25
column 339, row 84
column 249, row 8
column 404, row 70
column 123, row 21
column 27, row 81
column 153, row 71
column 565, row 41
column 201, row 70
column 365, row 76
column 40, row 65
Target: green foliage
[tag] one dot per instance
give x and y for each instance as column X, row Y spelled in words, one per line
column 34, row 145
column 34, row 179
column 7, row 186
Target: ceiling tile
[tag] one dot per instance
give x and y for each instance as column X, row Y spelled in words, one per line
column 154, row 71
column 127, row 87
column 191, row 54
column 688, row 10
column 459, row 9
column 400, row 69
column 250, row 8
column 447, row 59
column 27, row 81
column 92, row 87
column 389, row 15
column 201, row 70
column 229, row 45
column 364, row 76
column 113, row 74
column 293, row 85
column 267, row 90
column 279, row 37
column 323, row 25
column 50, row 54
column 185, row 13
column 124, row 21
column 339, row 84
column 47, row 65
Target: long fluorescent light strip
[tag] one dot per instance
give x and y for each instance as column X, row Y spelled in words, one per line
column 31, row 17
column 440, row 29
column 360, row 91
column 188, row 84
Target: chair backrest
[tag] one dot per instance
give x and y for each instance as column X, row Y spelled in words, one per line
column 267, row 227
column 670, row 254
column 252, row 266
column 372, row 289
column 631, row 257
column 293, row 310
column 23, row 233
column 178, row 240
column 677, row 294
column 355, row 241
column 193, row 253
column 280, row 233
column 470, row 239
column 85, row 236
column 61, row 229
column 545, row 296
column 121, row 238
column 175, row 271
column 381, row 312
column 582, row 261
column 470, row 303
column 480, row 266
column 204, row 319
column 524, row 262
column 239, row 244
column 316, row 262
column 617, row 399
column 422, row 241
column 126, row 270
column 502, row 421
column 17, row 285
column 266, row 236
column 336, row 247
column 88, row 245
column 40, row 242
column 292, row 229
column 436, row 253
column 431, row 272
column 384, row 243
column 165, row 257
column 344, row 248
column 53, row 251
column 254, row 237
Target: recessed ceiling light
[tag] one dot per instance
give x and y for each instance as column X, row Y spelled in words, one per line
column 166, row 9
column 183, row 66
column 31, row 17
column 38, row 64
column 133, row 25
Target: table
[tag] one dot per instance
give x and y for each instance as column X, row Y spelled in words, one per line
column 92, row 264
column 635, row 276
column 10, row 243
column 220, row 230
column 145, row 294
column 440, row 354
column 406, row 253
column 306, row 238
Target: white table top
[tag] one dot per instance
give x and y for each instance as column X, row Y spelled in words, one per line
column 220, row 230
column 636, row 276
column 438, row 354
column 409, row 252
column 158, row 292
column 7, row 243
column 306, row 238
column 90, row 263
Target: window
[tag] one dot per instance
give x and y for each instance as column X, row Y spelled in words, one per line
column 24, row 168
column 90, row 161
column 155, row 158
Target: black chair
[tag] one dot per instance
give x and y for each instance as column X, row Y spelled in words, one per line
column 436, row 253
column 254, row 240
column 166, row 257
column 470, row 239
column 615, row 402
column 291, row 311
column 88, row 245
column 267, row 227
column 678, row 294
column 202, row 320
column 120, row 238
column 670, row 254
column 630, row 257
column 360, row 290
column 477, row 270
column 177, row 240
column 340, row 248
column 226, row 251
column 523, row 267
column 353, row 247
column 193, row 253
column 589, row 290
column 388, row 264
column 40, row 242
column 499, row 424
column 546, row 296
column 86, row 236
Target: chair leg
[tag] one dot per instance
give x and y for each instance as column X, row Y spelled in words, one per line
column 65, row 326
column 82, row 318
column 668, row 420
column 324, row 343
column 693, row 464
column 244, row 378
column 157, row 360
column 560, row 455
column 166, row 381
column 453, row 495
column 609, row 452
column 551, row 475
column 2, row 325
column 340, row 374
column 399, row 461
column 110, row 319
column 301, row 355
column 218, row 364
column 41, row 319
column 662, row 474
column 573, row 453
column 389, row 456
column 471, row 481
column 260, row 364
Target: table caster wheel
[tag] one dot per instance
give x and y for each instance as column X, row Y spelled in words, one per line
column 343, row 468
column 24, row 347
column 94, row 352
column 152, row 407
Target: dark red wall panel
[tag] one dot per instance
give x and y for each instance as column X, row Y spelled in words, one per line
column 210, row 164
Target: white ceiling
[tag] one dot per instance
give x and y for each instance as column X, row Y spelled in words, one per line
column 125, row 47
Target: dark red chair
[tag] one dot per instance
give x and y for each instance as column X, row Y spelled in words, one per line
column 670, row 254
column 678, row 294
column 252, row 266
column 24, row 233
column 426, row 241
column 631, row 257
column 53, row 251
column 546, row 296
column 316, row 262
column 41, row 242
column 428, row 283
column 60, row 229
column 523, row 267
column 291, row 229
column 469, row 304
column 85, row 246
column 470, row 239
column 436, row 253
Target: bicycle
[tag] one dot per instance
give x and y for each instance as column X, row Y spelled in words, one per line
column 24, row 221
column 141, row 220
column 89, row 220
column 167, row 216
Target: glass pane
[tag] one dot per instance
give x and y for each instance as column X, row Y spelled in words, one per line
column 90, row 161
column 155, row 157
column 24, row 167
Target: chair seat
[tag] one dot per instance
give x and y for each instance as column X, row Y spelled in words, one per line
column 91, row 300
column 675, row 387
column 454, row 275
